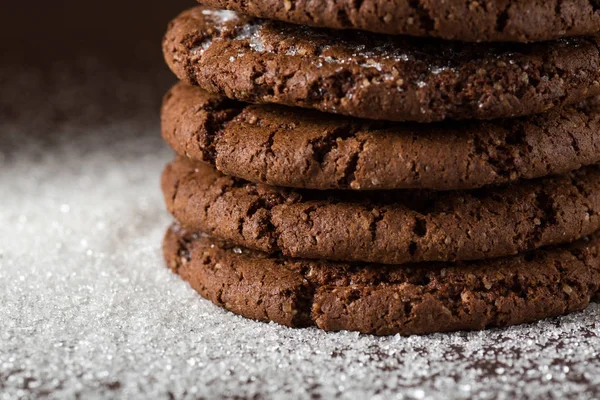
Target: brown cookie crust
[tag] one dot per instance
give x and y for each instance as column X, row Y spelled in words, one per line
column 282, row 146
column 388, row 299
column 390, row 227
column 377, row 77
column 470, row 21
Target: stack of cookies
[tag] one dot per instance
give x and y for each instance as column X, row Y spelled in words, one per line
column 333, row 171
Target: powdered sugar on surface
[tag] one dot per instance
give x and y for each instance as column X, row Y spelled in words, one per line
column 87, row 308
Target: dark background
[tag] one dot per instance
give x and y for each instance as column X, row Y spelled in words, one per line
column 67, row 65
column 126, row 33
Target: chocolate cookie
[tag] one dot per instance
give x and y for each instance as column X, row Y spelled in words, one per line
column 471, row 21
column 384, row 300
column 391, row 227
column 373, row 76
column 283, row 146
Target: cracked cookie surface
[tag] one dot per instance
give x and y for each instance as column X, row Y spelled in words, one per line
column 374, row 76
column 471, row 21
column 388, row 299
column 390, row 227
column 289, row 147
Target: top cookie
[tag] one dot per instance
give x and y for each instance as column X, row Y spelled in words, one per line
column 471, row 21
column 373, row 76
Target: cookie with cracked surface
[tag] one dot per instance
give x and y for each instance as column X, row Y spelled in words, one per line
column 374, row 76
column 289, row 147
column 388, row 299
column 470, row 21
column 390, row 227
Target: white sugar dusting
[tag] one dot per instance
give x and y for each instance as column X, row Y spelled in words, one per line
column 438, row 70
column 199, row 50
column 88, row 310
column 251, row 33
column 380, row 57
column 291, row 51
column 220, row 16
column 370, row 63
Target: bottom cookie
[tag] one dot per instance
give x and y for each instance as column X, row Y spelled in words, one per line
column 387, row 299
